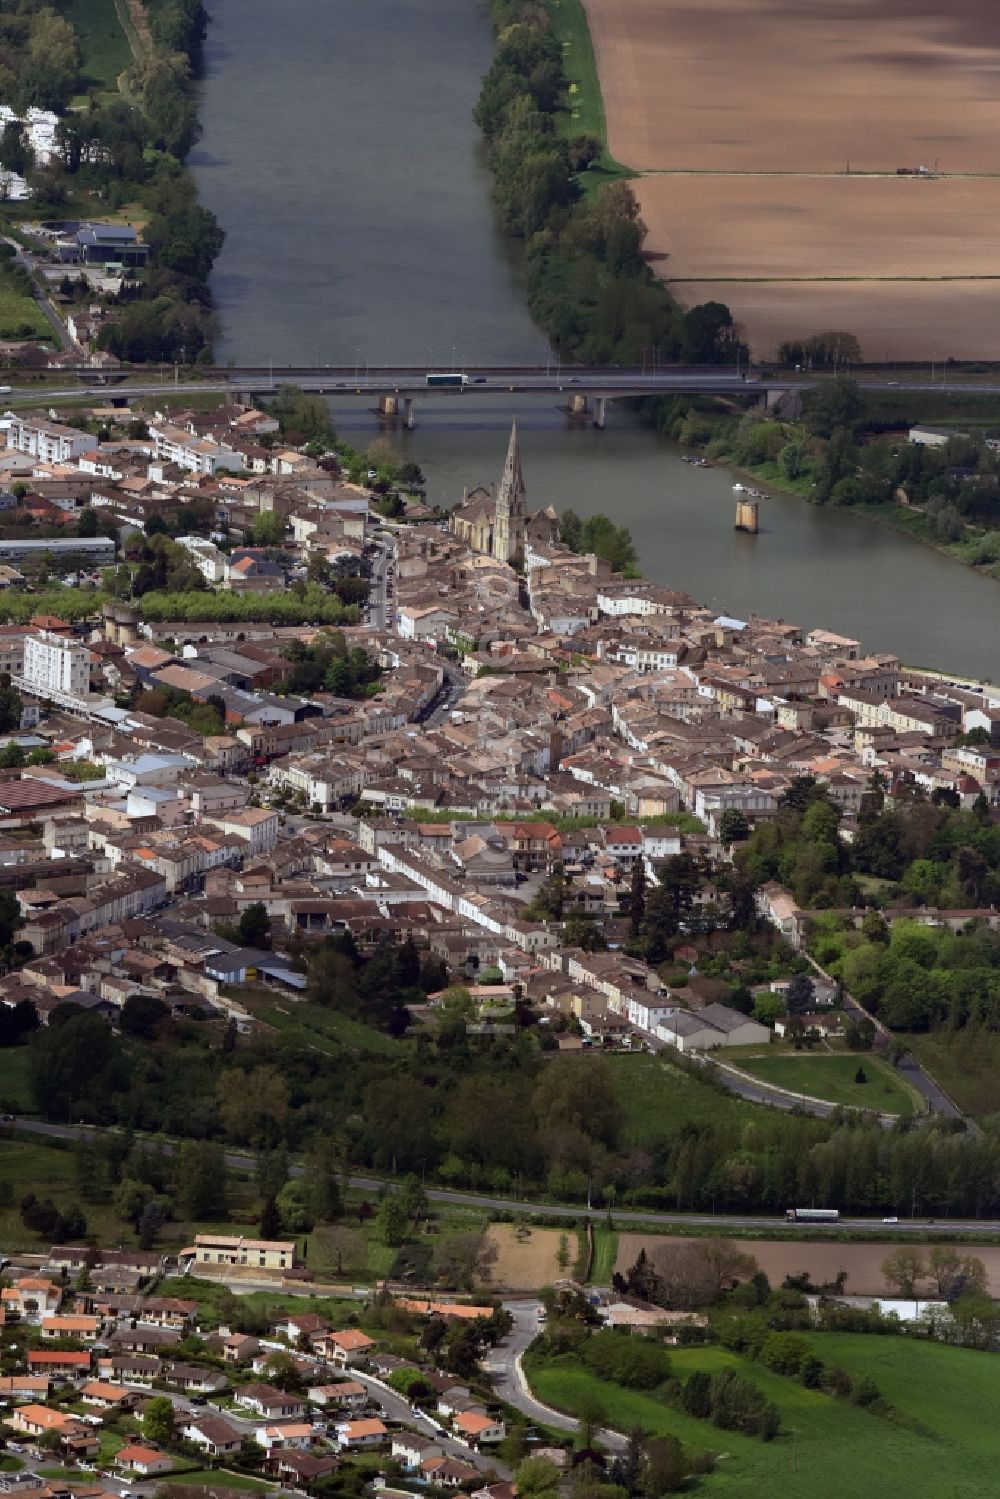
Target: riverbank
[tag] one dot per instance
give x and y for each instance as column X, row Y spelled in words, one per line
column 852, row 470
column 589, row 283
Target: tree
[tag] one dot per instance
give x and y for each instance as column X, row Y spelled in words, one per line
column 733, row 826
column 268, row 529
column 281, row 1371
column 142, row 1014
column 637, row 897
column 253, row 1106
column 150, row 1223
column 254, row 926
column 392, row 1219
column 158, row 1420
column 202, row 1179
column 11, row 707
column 956, row 1275
column 800, row 995
column 537, row 1478
column 833, row 405
column 321, row 1179
column 270, row 1220
column 903, row 1269
column 293, row 1208
column 666, row 1468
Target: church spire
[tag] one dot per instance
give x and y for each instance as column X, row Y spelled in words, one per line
column 508, row 529
column 512, row 484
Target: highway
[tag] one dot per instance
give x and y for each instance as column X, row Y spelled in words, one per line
column 241, row 1161
column 405, row 381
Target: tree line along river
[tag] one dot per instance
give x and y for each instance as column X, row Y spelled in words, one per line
column 340, row 155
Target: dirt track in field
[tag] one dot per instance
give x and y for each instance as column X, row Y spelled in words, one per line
column 708, row 87
column 821, row 1260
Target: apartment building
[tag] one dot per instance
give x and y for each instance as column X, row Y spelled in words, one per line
column 53, row 663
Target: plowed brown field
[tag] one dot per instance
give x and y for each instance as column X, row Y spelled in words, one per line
column 768, row 112
column 823, row 1260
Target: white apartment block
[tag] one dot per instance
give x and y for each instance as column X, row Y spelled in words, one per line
column 54, row 664
column 48, row 441
column 210, row 562
column 199, row 454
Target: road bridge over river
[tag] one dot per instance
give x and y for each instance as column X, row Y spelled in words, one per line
column 581, row 391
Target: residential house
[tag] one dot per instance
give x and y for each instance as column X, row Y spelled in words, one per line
column 265, row 1400
column 220, row 1249
column 477, row 1427
column 296, row 1434
column 347, row 1394
column 366, row 1432
column 66, row 1363
column 86, row 1329
column 31, row 1298
column 213, row 1434
column 108, row 1396
column 410, row 1449
column 346, row 1348
column 145, row 1462
column 448, row 1473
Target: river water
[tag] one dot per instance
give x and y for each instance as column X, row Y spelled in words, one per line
column 340, row 156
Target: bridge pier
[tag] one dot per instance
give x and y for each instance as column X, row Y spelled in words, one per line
column 409, row 411
column 600, row 412
column 577, row 405
column 388, row 406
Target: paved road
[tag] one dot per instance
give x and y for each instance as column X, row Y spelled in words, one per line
column 27, row 263
column 507, row 1374
column 238, row 1161
column 609, row 383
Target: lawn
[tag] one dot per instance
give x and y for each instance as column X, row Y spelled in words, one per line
column 827, row 1449
column 15, row 1094
column 832, row 1077
column 215, row 1478
column 658, row 1098
column 586, row 102
column 20, row 314
column 605, row 1255
column 104, row 49
column 318, row 1027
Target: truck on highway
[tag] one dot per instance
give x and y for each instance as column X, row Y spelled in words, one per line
column 448, row 378
column 812, row 1215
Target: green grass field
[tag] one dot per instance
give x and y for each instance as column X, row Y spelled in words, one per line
column 965, row 1063
column 320, row 1028
column 586, row 102
column 104, row 49
column 15, row 1094
column 20, row 315
column 605, row 1255
column 657, row 1098
column 827, row 1449
column 832, row 1077
column 214, row 1478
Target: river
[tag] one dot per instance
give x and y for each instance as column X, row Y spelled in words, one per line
column 340, row 156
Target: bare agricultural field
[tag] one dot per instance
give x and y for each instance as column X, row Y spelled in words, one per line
column 527, row 1263
column 822, row 1260
column 893, row 320
column 799, row 85
column 843, row 227
column 753, row 122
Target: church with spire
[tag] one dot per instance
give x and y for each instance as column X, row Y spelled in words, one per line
column 496, row 522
